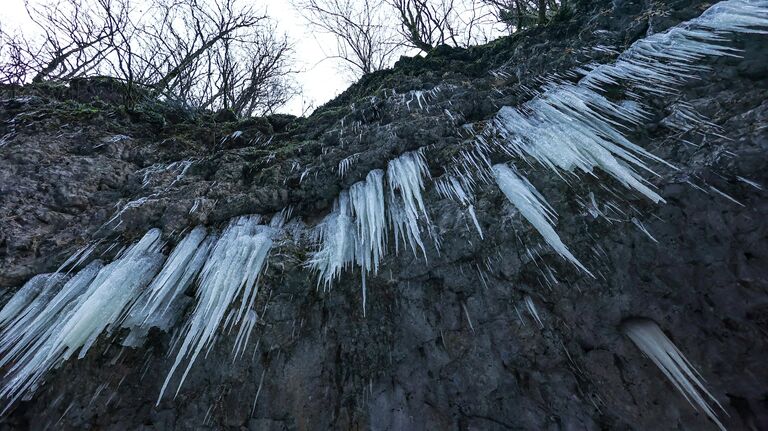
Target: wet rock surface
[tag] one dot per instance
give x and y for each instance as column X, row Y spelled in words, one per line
column 447, row 341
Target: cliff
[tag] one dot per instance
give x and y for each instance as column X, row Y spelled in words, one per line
column 484, row 318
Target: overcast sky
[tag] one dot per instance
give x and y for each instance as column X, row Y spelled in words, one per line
column 320, row 79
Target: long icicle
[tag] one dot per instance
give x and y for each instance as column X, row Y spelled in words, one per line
column 229, row 275
column 534, row 208
column 652, row 341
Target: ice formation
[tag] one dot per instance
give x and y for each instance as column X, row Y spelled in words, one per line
column 115, row 287
column 652, row 341
column 661, row 62
column 355, row 232
column 531, row 306
column 230, row 276
column 573, row 126
column 534, row 208
column 244, row 334
column 337, row 244
column 46, row 323
column 367, row 200
column 21, row 305
column 63, row 320
column 22, row 314
column 346, row 162
column 459, row 190
column 405, row 177
column 452, row 188
column 161, row 303
column 566, row 127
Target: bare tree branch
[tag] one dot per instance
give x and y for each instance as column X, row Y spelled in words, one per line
column 205, row 54
column 364, row 41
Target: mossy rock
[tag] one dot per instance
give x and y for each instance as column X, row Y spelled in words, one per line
column 280, row 122
column 225, row 116
column 261, row 124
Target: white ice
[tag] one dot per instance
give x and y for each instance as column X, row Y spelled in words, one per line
column 228, row 278
column 405, row 177
column 534, row 208
column 652, row 341
column 70, row 319
column 161, row 303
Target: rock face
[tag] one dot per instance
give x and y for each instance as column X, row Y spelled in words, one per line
column 448, row 341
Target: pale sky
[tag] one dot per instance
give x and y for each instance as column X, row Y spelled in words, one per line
column 321, row 79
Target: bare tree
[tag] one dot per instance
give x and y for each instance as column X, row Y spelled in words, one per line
column 19, row 58
column 251, row 74
column 363, row 40
column 206, row 28
column 74, row 39
column 425, row 24
column 213, row 54
column 228, row 57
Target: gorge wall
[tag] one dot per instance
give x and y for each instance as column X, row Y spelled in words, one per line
column 486, row 326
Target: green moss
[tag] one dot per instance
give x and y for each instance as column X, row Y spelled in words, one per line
column 76, row 111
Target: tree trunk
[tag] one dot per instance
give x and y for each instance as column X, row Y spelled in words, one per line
column 542, row 12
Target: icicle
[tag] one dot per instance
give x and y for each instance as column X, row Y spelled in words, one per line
column 229, row 275
column 725, row 195
column 92, row 301
column 345, row 163
column 367, row 199
column 662, row 61
column 354, row 232
column 281, row 217
column 77, row 258
column 572, row 127
column 450, row 187
column 519, row 316
column 459, row 190
column 650, row 339
column 116, row 286
column 244, row 334
column 469, row 321
column 643, row 229
column 17, row 339
column 566, row 127
column 258, row 391
column 405, row 176
column 532, row 309
column 750, row 182
column 160, row 305
column 28, row 297
column 337, row 243
column 534, row 208
column 471, row 210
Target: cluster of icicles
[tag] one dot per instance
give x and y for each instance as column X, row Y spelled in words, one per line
column 355, row 232
column 567, row 127
column 55, row 316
